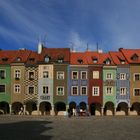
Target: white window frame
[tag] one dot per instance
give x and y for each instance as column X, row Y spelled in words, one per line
column 81, row 90
column 15, row 88
column 4, row 72
column 63, row 75
column 45, row 72
column 124, row 76
column 97, row 74
column 62, row 88
column 18, row 74
column 111, row 90
column 95, row 88
column 125, row 89
column 48, row 89
column 110, row 77
column 33, row 92
column 81, row 75
column 77, row 75
column 134, row 92
column 5, row 88
column 72, row 90
column 134, row 76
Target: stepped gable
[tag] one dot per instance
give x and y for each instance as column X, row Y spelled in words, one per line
column 118, row 58
column 78, row 58
column 132, row 55
column 7, row 56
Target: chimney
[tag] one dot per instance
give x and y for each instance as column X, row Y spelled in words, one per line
column 40, row 46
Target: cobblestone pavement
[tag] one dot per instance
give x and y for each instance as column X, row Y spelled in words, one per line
column 75, row 128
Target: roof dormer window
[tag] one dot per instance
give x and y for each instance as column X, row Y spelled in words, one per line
column 47, row 59
column 107, row 61
column 32, row 59
column 94, row 59
column 134, row 57
column 122, row 61
column 18, row 59
column 5, row 59
column 80, row 61
column 60, row 59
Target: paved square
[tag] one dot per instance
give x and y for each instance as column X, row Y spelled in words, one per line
column 62, row 128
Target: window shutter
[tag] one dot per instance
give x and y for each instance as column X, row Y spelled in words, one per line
column 118, row 76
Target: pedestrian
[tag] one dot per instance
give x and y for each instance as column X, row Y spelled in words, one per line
column 74, row 111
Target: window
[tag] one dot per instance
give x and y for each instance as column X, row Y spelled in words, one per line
column 108, row 76
column 83, row 90
column 137, row 77
column 2, row 74
column 45, row 89
column 136, row 92
column 18, row 59
column 31, row 90
column 95, row 91
column 31, row 75
column 80, row 61
column 122, row 76
column 2, row 88
column 95, row 60
column 45, row 74
column 122, row 91
column 74, row 75
column 83, row 75
column 17, row 74
column 109, row 90
column 47, row 59
column 60, row 75
column 74, row 90
column 60, row 90
column 95, row 74
column 17, row 88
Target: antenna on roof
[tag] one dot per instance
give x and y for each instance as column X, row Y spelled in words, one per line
column 87, row 48
column 97, row 46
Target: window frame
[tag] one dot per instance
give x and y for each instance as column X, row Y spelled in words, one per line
column 4, row 73
column 93, row 74
column 15, row 88
column 43, row 90
column 47, row 74
column 30, row 78
column 76, row 77
column 111, row 90
column 93, row 90
column 15, row 73
column 33, row 90
column 81, row 75
column 5, row 89
column 134, row 77
column 81, row 90
column 125, row 91
column 109, row 78
column 72, row 90
column 57, row 91
column 58, row 75
column 134, row 92
column 124, row 76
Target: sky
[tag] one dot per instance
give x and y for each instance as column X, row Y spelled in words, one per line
column 76, row 24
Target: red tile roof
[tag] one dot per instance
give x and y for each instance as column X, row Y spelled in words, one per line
column 117, row 57
column 76, row 56
column 128, row 53
column 55, row 53
column 7, row 56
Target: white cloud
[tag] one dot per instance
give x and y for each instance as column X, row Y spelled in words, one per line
column 79, row 44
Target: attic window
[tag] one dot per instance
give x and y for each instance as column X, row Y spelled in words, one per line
column 122, row 61
column 47, row 59
column 18, row 59
column 134, row 57
column 32, row 59
column 80, row 61
column 60, row 59
column 107, row 61
column 4, row 59
column 95, row 60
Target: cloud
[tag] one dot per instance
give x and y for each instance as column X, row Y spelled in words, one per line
column 79, row 44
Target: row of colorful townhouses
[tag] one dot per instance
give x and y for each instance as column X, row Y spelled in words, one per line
column 51, row 80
